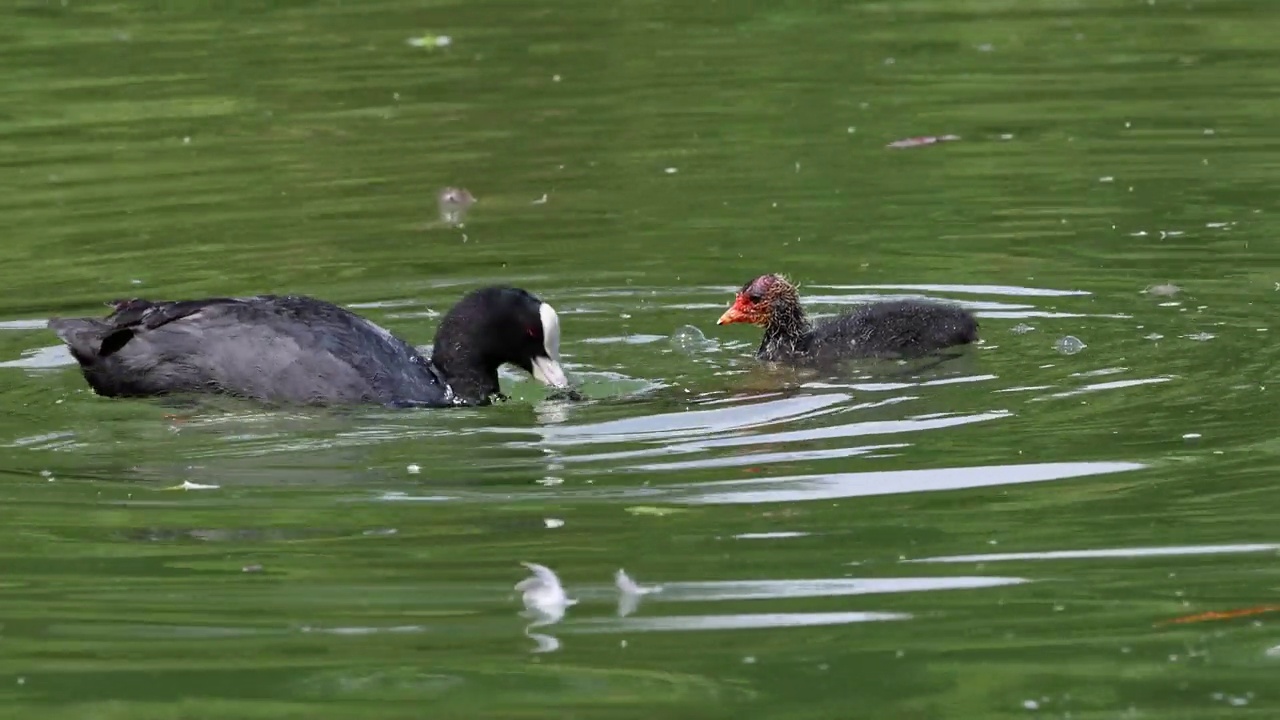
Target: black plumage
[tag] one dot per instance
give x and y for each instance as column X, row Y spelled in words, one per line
column 300, row 350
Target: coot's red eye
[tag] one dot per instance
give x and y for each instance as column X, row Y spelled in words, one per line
column 533, row 331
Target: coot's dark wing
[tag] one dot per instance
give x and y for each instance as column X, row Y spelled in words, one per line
column 284, row 348
column 901, row 328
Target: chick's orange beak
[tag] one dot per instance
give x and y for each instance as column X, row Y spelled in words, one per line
column 743, row 311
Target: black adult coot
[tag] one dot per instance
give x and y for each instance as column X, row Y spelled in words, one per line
column 299, row 350
column 895, row 328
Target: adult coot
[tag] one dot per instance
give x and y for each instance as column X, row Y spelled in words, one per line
column 299, row 350
column 897, row 328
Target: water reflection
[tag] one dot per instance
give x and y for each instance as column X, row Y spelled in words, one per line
column 1136, row 552
column 714, row 591
column 734, row 622
column 805, row 488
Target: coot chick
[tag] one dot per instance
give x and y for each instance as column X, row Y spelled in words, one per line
column 896, row 328
column 299, row 350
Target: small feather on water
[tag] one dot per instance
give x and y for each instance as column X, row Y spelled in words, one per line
column 921, row 141
column 630, row 592
column 542, row 593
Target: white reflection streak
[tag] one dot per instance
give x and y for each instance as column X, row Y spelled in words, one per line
column 824, row 587
column 971, row 289
column 660, row 427
column 734, row 622
column 801, row 488
column 858, row 429
column 850, row 430
column 1113, row 385
column 767, row 458
column 1136, row 552
column 43, row 358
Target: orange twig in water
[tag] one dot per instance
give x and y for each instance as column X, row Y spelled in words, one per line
column 1221, row 615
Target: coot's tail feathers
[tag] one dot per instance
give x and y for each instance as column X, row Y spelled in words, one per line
column 83, row 336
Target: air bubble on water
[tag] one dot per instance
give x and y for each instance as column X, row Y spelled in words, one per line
column 453, row 204
column 1069, row 345
column 1153, row 336
column 1021, row 329
column 690, row 339
column 1191, row 436
column 1031, row 704
column 413, row 469
column 1200, row 336
column 1163, row 290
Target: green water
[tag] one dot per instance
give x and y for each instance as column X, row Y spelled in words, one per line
column 1004, row 536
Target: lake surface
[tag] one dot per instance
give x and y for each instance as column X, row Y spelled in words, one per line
column 1016, row 533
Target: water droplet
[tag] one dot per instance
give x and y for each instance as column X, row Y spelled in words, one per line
column 690, row 339
column 1069, row 345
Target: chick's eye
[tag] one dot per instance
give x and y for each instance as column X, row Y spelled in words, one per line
column 755, row 297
